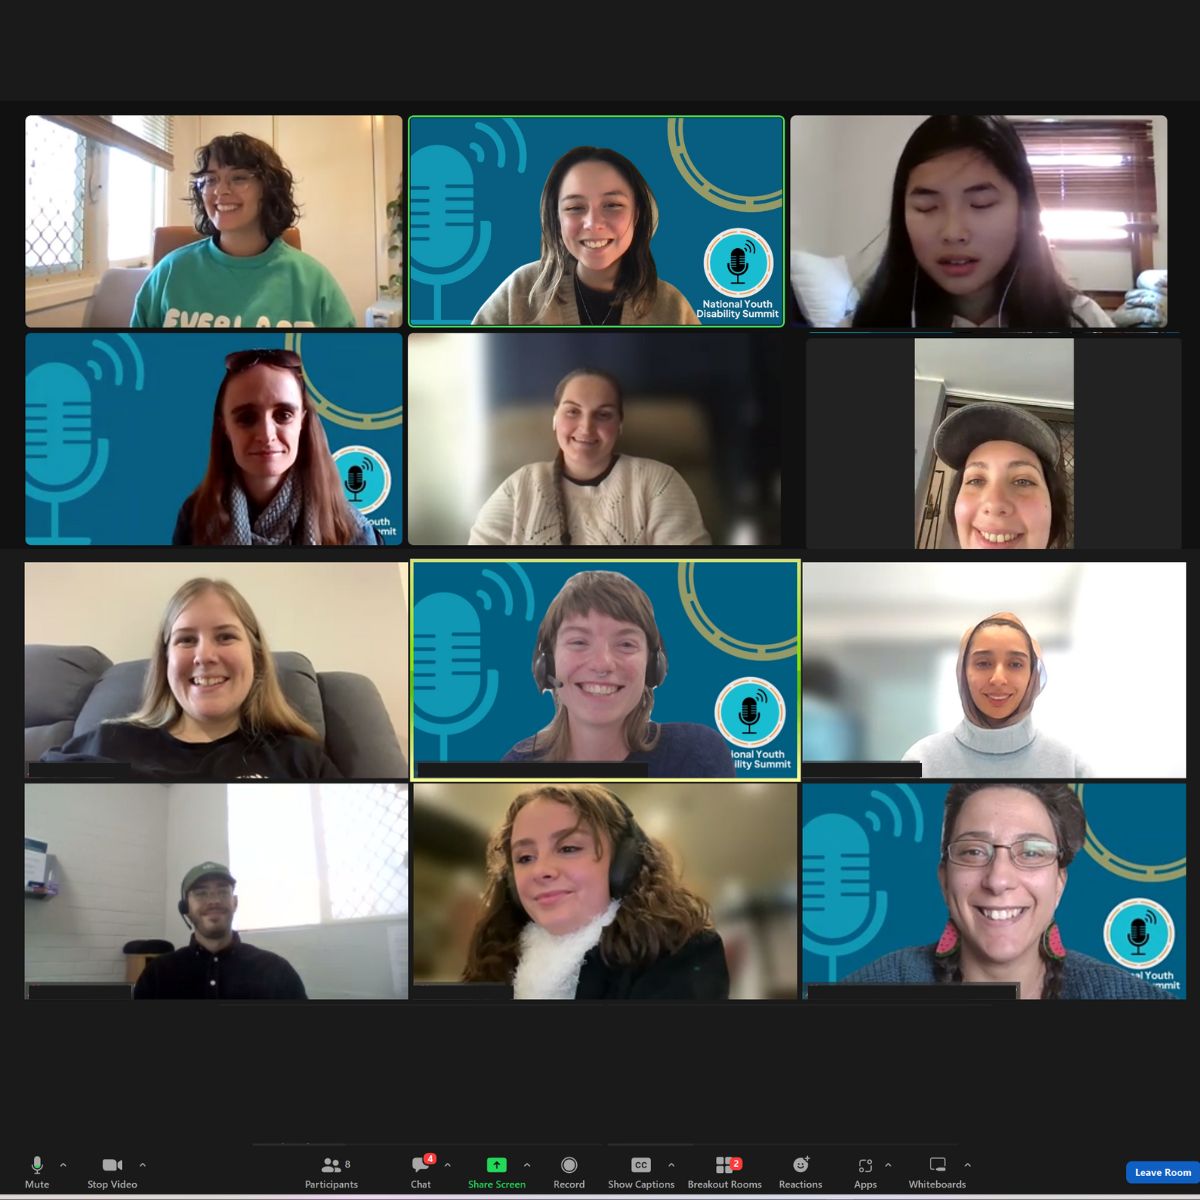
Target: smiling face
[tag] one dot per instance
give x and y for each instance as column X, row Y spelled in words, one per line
column 601, row 663
column 210, row 667
column 559, row 868
column 962, row 217
column 1002, row 910
column 211, row 904
column 232, row 199
column 586, row 424
column 263, row 415
column 998, row 670
column 596, row 217
column 1003, row 502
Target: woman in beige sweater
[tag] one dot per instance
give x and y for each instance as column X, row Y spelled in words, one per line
column 598, row 216
column 590, row 495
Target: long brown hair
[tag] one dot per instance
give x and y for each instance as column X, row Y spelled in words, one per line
column 617, row 596
column 1065, row 811
column 264, row 711
column 658, row 915
column 335, row 522
column 637, row 278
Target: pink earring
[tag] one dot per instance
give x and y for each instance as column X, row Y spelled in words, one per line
column 949, row 941
column 1052, row 943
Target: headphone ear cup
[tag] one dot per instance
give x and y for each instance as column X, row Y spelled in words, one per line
column 656, row 670
column 182, row 908
column 626, row 863
column 543, row 668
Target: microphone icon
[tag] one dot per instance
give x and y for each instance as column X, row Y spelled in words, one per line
column 737, row 264
column 37, row 1164
column 1137, row 936
column 750, row 716
column 447, row 673
column 442, row 222
column 835, row 892
column 58, row 444
column 355, row 482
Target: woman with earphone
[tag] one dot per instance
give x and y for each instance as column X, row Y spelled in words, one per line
column 582, row 905
column 965, row 247
column 590, row 495
column 598, row 216
column 600, row 655
column 1000, row 674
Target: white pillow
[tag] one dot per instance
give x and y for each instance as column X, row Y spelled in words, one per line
column 824, row 288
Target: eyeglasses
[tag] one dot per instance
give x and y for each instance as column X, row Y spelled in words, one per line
column 243, row 360
column 238, row 181
column 1029, row 853
column 205, row 894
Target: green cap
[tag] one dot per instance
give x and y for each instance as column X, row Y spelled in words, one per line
column 204, row 870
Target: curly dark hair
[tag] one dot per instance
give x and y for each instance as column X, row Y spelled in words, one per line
column 1065, row 811
column 278, row 210
column 658, row 915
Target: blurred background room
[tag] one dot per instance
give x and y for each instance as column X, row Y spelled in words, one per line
column 733, row 844
column 709, row 404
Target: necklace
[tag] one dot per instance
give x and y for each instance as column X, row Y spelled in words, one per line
column 583, row 304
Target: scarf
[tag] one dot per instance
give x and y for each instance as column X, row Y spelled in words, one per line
column 284, row 521
column 1037, row 677
column 548, row 965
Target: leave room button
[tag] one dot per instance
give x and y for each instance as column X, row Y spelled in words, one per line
column 1158, row 1172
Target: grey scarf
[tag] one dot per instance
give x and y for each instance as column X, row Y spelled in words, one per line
column 284, row 522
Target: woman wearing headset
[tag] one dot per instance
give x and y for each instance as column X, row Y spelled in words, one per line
column 600, row 655
column 582, row 905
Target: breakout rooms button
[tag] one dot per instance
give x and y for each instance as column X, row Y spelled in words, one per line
column 1162, row 1172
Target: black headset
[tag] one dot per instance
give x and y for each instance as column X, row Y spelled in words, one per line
column 543, row 670
column 628, row 857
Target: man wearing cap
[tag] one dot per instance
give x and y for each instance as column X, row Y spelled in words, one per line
column 216, row 964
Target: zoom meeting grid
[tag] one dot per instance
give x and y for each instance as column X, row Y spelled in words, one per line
column 735, row 746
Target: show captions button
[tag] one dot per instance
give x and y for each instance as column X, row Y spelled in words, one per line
column 1158, row 1172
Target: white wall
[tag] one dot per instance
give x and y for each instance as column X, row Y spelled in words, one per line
column 353, row 960
column 1036, row 369
column 197, row 831
column 345, row 616
column 841, row 185
column 107, row 840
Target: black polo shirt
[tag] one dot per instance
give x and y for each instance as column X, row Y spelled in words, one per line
column 239, row 972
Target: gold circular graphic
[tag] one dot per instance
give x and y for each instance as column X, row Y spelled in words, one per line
column 704, row 187
column 1149, row 873
column 726, row 643
column 331, row 411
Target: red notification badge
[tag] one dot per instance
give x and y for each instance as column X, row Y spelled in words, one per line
column 735, row 1163
column 430, row 1159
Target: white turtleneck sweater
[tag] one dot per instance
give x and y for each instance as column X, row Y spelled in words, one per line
column 1014, row 752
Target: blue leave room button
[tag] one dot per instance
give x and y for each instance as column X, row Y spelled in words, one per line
column 1157, row 1172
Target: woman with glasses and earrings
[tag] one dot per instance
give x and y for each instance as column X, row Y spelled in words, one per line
column 243, row 273
column 1003, row 869
column 1000, row 674
column 271, row 480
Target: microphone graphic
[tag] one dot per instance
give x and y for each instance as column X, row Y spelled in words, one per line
column 442, row 222
column 835, row 889
column 355, row 482
column 446, row 669
column 1137, row 936
column 37, row 1164
column 58, row 444
column 737, row 264
column 750, row 715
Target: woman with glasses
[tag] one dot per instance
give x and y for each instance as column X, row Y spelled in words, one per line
column 243, row 274
column 1000, row 674
column 271, row 480
column 1003, row 870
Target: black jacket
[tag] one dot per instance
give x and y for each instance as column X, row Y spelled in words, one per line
column 697, row 971
column 239, row 972
column 155, row 754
